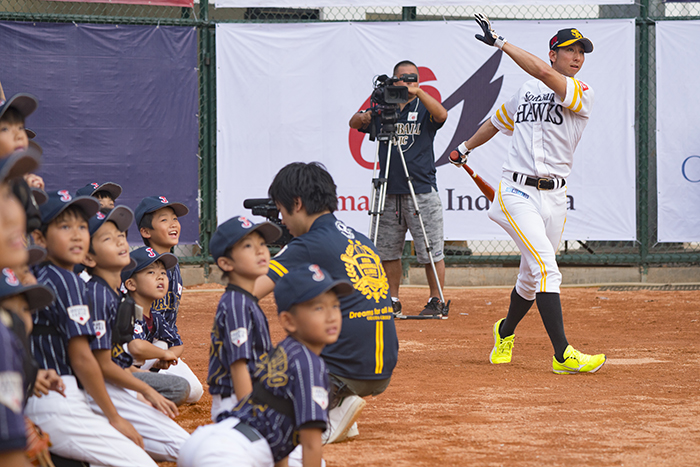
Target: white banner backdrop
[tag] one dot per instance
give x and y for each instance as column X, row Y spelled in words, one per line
column 400, row 3
column 285, row 93
column 677, row 136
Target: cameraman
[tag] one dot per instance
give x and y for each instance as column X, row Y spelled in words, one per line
column 419, row 119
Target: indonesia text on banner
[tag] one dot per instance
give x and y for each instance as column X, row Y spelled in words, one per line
column 285, row 92
column 182, row 3
column 360, row 4
column 677, row 139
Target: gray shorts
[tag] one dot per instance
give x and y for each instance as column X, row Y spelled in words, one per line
column 399, row 216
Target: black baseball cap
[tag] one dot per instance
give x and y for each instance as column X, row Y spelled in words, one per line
column 122, row 216
column 59, row 201
column 31, row 134
column 23, row 102
column 38, row 295
column 40, row 196
column 37, row 254
column 569, row 36
column 145, row 256
column 154, row 203
column 18, row 163
column 233, row 230
column 91, row 188
column 307, row 282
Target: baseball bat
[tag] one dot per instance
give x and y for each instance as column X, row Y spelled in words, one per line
column 483, row 185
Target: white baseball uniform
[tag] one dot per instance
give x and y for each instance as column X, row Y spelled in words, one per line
column 546, row 130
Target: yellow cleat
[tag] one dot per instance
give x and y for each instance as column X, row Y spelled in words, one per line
column 502, row 348
column 577, row 362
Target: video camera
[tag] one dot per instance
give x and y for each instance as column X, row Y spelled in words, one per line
column 266, row 208
column 385, row 101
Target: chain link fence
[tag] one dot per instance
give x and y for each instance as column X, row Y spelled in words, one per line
column 645, row 251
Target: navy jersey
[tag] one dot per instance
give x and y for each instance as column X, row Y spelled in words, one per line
column 155, row 327
column 367, row 347
column 66, row 318
column 104, row 303
column 168, row 305
column 12, row 428
column 415, row 130
column 240, row 331
column 291, row 372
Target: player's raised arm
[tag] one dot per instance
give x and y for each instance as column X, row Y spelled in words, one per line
column 531, row 64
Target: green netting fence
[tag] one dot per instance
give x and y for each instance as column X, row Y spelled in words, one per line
column 645, row 251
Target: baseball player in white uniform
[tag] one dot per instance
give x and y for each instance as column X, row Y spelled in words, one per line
column 545, row 118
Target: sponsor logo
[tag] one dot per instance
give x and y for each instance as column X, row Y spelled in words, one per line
column 239, row 336
column 100, row 328
column 11, row 390
column 79, row 313
column 320, row 396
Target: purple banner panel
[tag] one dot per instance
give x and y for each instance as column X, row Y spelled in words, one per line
column 116, row 104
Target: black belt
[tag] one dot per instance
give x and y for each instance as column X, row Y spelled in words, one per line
column 248, row 431
column 539, row 183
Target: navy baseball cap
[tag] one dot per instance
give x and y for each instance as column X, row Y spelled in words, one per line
column 18, row 163
column 145, row 256
column 38, row 295
column 59, row 201
column 24, row 103
column 122, row 216
column 305, row 283
column 91, row 188
column 154, row 203
column 569, row 36
column 233, row 230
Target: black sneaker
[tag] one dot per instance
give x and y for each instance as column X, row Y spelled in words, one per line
column 397, row 308
column 433, row 308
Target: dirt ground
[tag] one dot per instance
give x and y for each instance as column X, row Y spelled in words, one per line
column 447, row 405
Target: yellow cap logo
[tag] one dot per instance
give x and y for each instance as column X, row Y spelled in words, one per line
column 576, row 34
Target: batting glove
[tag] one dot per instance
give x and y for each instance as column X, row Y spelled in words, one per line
column 459, row 156
column 490, row 37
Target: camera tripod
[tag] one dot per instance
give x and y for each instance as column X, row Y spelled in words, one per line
column 379, row 187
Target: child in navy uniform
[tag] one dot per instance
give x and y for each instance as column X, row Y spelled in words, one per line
column 240, row 333
column 106, row 193
column 61, row 340
column 107, row 256
column 289, row 402
column 13, row 136
column 156, row 346
column 12, row 254
column 157, row 220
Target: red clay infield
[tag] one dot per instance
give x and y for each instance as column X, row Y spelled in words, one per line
column 447, row 405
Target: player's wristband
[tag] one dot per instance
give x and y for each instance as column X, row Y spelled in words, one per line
column 500, row 42
column 462, row 148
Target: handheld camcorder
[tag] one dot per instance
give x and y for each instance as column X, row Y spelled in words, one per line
column 266, row 208
column 385, row 101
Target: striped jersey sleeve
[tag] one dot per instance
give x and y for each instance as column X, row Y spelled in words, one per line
column 103, row 306
column 579, row 97
column 504, row 117
column 240, row 332
column 68, row 317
